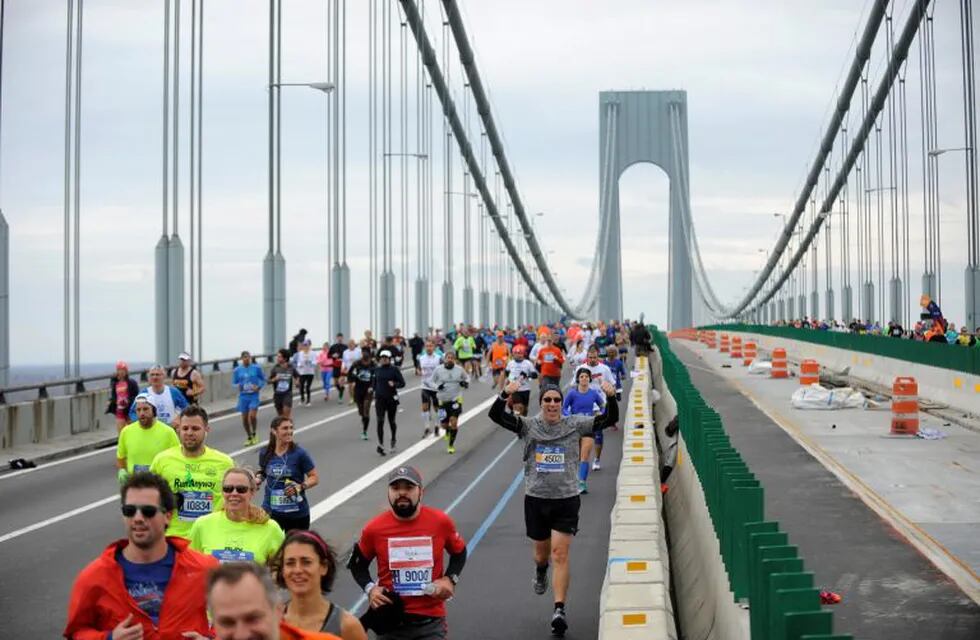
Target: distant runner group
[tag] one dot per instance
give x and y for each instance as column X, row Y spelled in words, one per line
column 203, row 531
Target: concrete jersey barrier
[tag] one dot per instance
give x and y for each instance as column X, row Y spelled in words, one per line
column 635, row 599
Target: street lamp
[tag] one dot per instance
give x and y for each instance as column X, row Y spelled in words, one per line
column 325, row 87
column 932, row 153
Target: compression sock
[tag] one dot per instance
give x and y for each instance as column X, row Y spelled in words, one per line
column 583, row 471
column 452, row 437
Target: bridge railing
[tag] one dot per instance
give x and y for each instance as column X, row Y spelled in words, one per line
column 760, row 562
column 945, row 356
column 77, row 385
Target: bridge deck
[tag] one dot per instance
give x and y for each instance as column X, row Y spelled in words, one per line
column 889, row 589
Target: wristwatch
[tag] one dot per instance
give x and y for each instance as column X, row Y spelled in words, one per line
column 453, row 578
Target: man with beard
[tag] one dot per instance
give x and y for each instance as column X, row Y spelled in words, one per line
column 408, row 542
column 120, row 593
column 193, row 471
column 449, row 381
column 142, row 440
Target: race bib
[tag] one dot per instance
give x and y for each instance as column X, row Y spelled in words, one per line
column 281, row 503
column 549, row 357
column 233, row 555
column 249, row 387
column 410, row 561
column 549, row 459
column 140, row 467
column 196, row 504
column 282, row 386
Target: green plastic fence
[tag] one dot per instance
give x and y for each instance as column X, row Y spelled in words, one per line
column 945, row 356
column 761, row 564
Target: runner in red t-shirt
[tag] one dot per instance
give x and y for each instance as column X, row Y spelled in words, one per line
column 550, row 358
column 408, row 542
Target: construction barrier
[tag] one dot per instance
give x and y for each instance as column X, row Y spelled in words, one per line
column 779, row 369
column 736, row 348
column 712, row 342
column 635, row 598
column 809, row 373
column 905, row 407
column 758, row 563
column 749, row 353
column 725, row 344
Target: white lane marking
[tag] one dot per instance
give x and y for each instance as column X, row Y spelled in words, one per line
column 493, row 463
column 89, row 454
column 341, row 496
column 104, row 501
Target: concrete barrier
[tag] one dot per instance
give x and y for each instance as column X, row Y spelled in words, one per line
column 635, row 599
column 38, row 421
column 706, row 605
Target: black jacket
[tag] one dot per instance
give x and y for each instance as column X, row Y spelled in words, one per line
column 132, row 389
column 384, row 375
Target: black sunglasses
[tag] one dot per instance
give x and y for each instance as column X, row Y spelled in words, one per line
column 550, row 399
column 148, row 510
column 239, row 488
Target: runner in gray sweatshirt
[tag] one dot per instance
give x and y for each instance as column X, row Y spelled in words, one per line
column 551, row 500
column 450, row 379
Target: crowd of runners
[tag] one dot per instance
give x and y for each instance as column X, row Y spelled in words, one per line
column 219, row 549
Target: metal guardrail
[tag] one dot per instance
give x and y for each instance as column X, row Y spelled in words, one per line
column 79, row 383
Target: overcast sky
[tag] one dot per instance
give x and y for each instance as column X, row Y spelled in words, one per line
column 760, row 78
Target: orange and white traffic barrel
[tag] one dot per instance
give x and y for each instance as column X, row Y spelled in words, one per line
column 736, row 347
column 809, row 372
column 724, row 343
column 779, row 369
column 749, row 353
column 905, row 406
column 712, row 340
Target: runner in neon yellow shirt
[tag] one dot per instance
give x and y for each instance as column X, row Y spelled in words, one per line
column 142, row 440
column 239, row 531
column 193, row 471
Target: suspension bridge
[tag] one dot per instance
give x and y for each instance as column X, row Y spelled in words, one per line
column 724, row 508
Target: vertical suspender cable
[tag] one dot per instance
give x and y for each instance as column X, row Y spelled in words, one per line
column 69, row 27
column 78, row 189
column 192, row 181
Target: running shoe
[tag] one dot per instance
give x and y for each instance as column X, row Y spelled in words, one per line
column 394, row 446
column 558, row 623
column 582, row 487
column 364, row 435
column 248, row 441
column 425, row 434
column 595, row 465
column 540, row 580
column 381, row 451
column 450, row 449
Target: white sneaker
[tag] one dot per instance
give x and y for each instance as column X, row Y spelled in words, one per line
column 595, row 465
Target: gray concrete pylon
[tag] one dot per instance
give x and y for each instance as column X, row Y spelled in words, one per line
column 484, row 319
column 642, row 133
column 498, row 309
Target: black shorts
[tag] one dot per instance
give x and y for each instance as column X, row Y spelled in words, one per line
column 463, row 359
column 544, row 515
column 450, row 409
column 521, row 397
column 429, row 398
column 282, row 400
column 551, row 380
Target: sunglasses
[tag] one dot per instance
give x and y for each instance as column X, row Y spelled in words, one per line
column 550, row 400
column 148, row 510
column 238, row 488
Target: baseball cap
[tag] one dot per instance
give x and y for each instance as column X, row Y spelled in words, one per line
column 384, row 354
column 409, row 474
column 122, row 365
column 185, row 356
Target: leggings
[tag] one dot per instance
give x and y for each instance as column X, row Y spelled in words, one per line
column 389, row 407
column 305, row 384
column 327, row 377
column 363, row 401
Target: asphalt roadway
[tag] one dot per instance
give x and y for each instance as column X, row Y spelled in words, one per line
column 889, row 590
column 56, row 519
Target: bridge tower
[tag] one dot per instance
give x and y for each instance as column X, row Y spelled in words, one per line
column 644, row 126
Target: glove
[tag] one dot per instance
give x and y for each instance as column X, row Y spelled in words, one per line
column 464, row 384
column 122, row 475
column 441, row 387
column 534, row 375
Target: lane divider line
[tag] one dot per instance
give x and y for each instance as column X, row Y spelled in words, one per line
column 104, row 501
column 265, row 404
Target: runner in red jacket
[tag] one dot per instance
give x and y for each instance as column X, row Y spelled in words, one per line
column 146, row 586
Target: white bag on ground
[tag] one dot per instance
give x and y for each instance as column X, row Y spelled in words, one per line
column 760, row 367
column 815, row 397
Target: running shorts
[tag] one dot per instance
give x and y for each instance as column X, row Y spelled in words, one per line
column 450, row 409
column 544, row 515
column 282, row 400
column 555, row 380
column 429, row 398
column 521, row 397
column 247, row 402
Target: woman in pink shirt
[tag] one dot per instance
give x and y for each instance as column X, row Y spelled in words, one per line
column 326, row 369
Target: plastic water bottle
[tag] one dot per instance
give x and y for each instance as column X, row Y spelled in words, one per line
column 299, row 496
